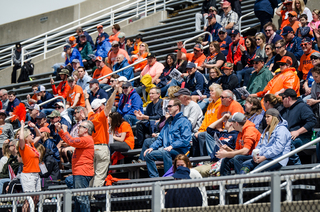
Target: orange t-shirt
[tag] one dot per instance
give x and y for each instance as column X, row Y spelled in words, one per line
column 112, row 57
column 100, row 73
column 82, row 158
column 285, row 19
column 114, row 37
column 30, row 158
column 294, row 26
column 125, row 127
column 248, row 138
column 232, row 108
column 306, row 64
column 72, row 93
column 198, row 60
column 101, row 126
column 210, row 116
column 142, row 64
column 34, row 97
column 136, row 47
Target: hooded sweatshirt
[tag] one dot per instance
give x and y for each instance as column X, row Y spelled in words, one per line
column 248, row 138
column 147, row 82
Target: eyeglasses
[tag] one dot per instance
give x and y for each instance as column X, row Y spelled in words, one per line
column 82, row 126
column 255, row 63
column 303, row 44
column 312, row 58
column 268, row 48
column 124, row 87
column 291, row 16
column 111, row 80
column 258, row 38
column 225, row 8
column 282, row 64
column 115, row 46
column 268, row 30
column 142, row 45
column 59, row 107
column 222, row 33
column 278, row 47
column 224, row 97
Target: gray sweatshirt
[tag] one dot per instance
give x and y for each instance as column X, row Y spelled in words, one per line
column 194, row 114
column 6, row 131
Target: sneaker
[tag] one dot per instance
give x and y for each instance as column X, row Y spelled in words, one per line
column 244, row 170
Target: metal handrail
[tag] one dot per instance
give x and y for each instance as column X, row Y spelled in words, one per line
column 42, row 103
column 240, row 19
column 194, row 37
column 61, row 27
column 121, row 69
column 134, row 78
column 124, row 8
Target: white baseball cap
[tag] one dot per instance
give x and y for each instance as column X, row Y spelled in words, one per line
column 95, row 104
column 60, row 104
column 122, row 79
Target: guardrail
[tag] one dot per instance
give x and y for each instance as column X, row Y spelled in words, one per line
column 48, row 40
column 43, row 103
column 240, row 20
column 201, row 34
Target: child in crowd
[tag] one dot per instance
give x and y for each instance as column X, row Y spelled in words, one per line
column 303, row 30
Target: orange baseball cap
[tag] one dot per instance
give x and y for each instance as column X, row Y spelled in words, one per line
column 45, row 129
column 99, row 58
column 286, row 60
column 99, row 26
column 293, row 13
column 72, row 38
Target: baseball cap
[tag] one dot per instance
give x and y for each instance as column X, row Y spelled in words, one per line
column 45, row 129
column 122, row 79
column 198, row 46
column 293, row 13
column 126, row 84
column 75, row 61
column 306, row 40
column 95, row 104
column 151, row 54
column 114, row 43
column 82, row 35
column 59, row 104
column 99, row 58
column 72, row 38
column 34, row 107
column 182, row 91
column 64, row 71
column 289, row 92
column 41, row 88
column 121, row 35
column 226, row 3
column 286, row 30
column 286, row 60
column 3, row 112
column 18, row 46
column 227, row 65
column 66, row 47
column 41, row 115
column 213, row 8
column 258, row 59
column 182, row 173
column 191, row 65
column 70, row 79
column 238, row 117
column 54, row 113
column 99, row 26
column 222, row 29
column 234, row 32
column 316, row 54
column 93, row 80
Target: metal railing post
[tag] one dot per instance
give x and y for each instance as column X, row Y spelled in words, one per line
column 204, row 33
column 111, row 18
column 275, row 192
column 146, row 8
column 155, row 7
column 164, row 5
column 22, row 56
column 240, row 20
column 45, row 47
column 12, row 52
column 156, row 197
column 289, row 189
column 108, row 201
column 67, row 201
column 222, row 192
column 137, row 9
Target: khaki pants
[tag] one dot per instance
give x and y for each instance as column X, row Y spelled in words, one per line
column 101, row 165
column 204, row 170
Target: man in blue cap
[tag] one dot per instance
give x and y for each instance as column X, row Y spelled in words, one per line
column 183, row 197
column 293, row 42
column 96, row 91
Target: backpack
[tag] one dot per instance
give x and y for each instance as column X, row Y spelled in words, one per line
column 26, row 70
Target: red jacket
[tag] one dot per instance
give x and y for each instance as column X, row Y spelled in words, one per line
column 237, row 55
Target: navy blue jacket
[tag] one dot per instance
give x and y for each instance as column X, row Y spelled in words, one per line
column 224, row 45
column 229, row 82
column 50, row 145
column 228, row 138
column 12, row 105
column 164, row 77
column 99, row 95
column 275, row 39
column 89, row 39
column 154, row 111
column 183, row 197
column 128, row 72
column 128, row 104
column 266, row 6
column 299, row 115
column 45, row 98
column 294, row 47
column 196, row 82
column 74, row 55
column 213, row 29
column 56, row 137
column 304, row 31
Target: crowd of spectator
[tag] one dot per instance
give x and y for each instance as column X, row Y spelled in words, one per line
column 246, row 94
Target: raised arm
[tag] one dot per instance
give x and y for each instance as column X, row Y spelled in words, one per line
column 110, row 102
column 22, row 142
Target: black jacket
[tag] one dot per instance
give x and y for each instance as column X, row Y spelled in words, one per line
column 183, row 197
column 13, row 162
column 52, row 167
column 229, row 82
column 206, row 5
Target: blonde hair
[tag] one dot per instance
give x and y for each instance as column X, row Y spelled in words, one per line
column 5, row 149
column 302, row 7
column 274, row 122
column 172, row 90
column 216, row 70
column 217, row 88
column 146, row 47
column 262, row 37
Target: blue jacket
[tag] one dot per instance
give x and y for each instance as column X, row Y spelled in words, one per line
column 257, row 118
column 49, row 144
column 45, row 98
column 228, row 138
column 89, row 39
column 12, row 105
column 127, row 105
column 99, row 95
column 266, row 6
column 299, row 115
column 128, row 72
column 279, row 143
column 103, row 48
column 224, row 45
column 74, row 55
column 196, row 82
column 214, row 32
column 294, row 47
column 176, row 133
column 164, row 77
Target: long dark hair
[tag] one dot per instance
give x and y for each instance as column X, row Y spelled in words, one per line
column 116, row 120
column 253, row 46
column 256, row 106
column 166, row 65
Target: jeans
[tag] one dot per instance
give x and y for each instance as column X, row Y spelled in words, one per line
column 294, row 159
column 160, row 155
column 142, row 129
column 245, row 74
column 146, row 144
column 204, row 104
column 300, row 140
column 2, row 181
column 210, row 143
column 82, row 203
column 14, row 73
column 235, row 162
column 250, row 164
column 131, row 119
column 69, row 181
column 70, row 114
column 199, row 145
column 47, row 111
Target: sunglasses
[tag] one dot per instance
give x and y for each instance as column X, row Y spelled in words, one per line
column 142, row 45
column 291, row 16
column 195, row 50
column 124, row 87
column 255, row 63
column 303, row 44
column 258, row 39
column 282, row 64
column 224, row 97
column 170, row 106
column 111, row 80
column 278, row 47
column 222, row 33
column 58, row 107
column 83, row 126
column 224, row 8
column 115, row 46
column 314, row 58
column 269, row 30
column 268, row 48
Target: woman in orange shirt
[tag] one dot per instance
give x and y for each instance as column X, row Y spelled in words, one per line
column 122, row 133
column 143, row 52
column 116, row 31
